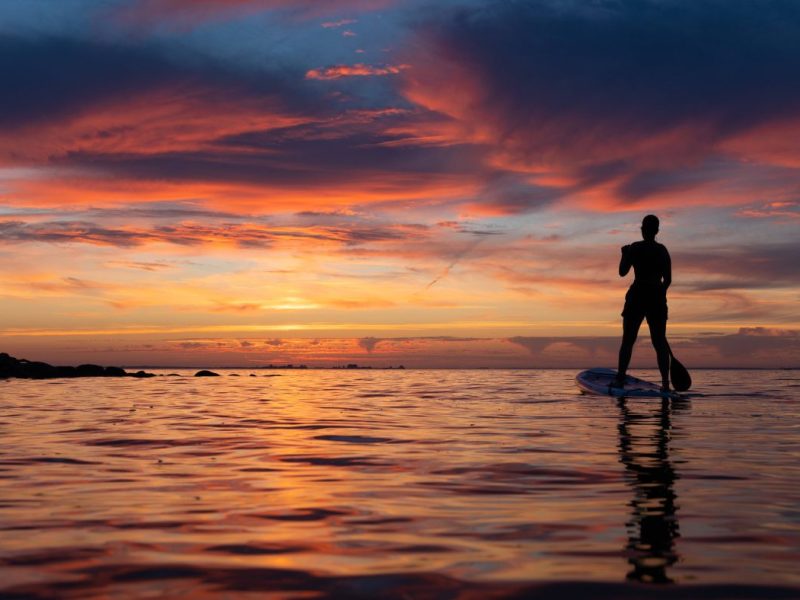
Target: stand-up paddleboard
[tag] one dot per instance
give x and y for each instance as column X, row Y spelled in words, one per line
column 599, row 382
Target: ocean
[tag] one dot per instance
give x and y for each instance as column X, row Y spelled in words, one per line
column 398, row 484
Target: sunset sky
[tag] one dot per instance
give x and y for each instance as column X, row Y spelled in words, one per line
column 418, row 182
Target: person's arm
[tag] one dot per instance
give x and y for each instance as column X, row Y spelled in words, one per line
column 667, row 270
column 625, row 261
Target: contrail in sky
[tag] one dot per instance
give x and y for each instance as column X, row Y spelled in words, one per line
column 446, row 271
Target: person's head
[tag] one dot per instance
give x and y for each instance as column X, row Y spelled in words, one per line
column 650, row 227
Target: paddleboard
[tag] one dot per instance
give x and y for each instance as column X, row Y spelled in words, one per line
column 598, row 382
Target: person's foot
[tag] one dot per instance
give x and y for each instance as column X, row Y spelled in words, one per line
column 665, row 386
column 618, row 382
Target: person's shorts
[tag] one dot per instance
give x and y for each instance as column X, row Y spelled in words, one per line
column 646, row 302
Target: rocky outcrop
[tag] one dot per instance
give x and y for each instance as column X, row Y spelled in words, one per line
column 205, row 373
column 27, row 369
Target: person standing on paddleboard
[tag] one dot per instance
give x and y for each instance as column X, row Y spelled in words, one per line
column 646, row 299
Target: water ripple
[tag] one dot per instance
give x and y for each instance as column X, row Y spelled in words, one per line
column 397, row 484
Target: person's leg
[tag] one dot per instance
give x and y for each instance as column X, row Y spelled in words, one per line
column 658, row 335
column 630, row 329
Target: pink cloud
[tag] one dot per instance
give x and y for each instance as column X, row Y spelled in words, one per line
column 339, row 23
column 356, row 70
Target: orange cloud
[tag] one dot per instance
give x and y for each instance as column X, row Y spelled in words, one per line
column 356, row 70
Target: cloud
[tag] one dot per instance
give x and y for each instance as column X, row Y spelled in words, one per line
column 138, row 117
column 70, row 231
column 787, row 211
column 196, row 345
column 339, row 23
column 64, row 286
column 58, row 77
column 761, row 346
column 631, row 99
column 369, row 343
column 193, row 12
column 748, row 347
column 139, row 265
column 247, row 235
column 748, row 266
column 600, row 347
column 356, row 70
column 345, row 160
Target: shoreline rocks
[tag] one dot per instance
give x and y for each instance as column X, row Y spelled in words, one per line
column 205, row 373
column 20, row 368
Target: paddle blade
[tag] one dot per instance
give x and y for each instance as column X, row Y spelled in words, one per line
column 681, row 380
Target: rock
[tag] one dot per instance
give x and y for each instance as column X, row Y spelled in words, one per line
column 141, row 374
column 35, row 370
column 66, row 372
column 26, row 369
column 205, row 373
column 90, row 371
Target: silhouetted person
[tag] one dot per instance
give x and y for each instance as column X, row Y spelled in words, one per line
column 644, row 440
column 646, row 298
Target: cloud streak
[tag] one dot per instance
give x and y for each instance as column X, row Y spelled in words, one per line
column 239, row 234
column 355, row 70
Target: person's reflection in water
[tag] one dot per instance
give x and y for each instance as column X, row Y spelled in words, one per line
column 644, row 450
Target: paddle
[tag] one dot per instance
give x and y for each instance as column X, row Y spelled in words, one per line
column 681, row 380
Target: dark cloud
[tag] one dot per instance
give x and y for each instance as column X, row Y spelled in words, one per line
column 648, row 182
column 509, row 193
column 51, row 78
column 369, row 343
column 635, row 67
column 642, row 90
column 271, row 159
column 188, row 12
column 71, row 231
column 340, row 149
column 163, row 210
column 750, row 266
column 597, row 346
column 781, row 347
column 188, row 234
column 748, row 347
column 46, row 79
column 196, row 345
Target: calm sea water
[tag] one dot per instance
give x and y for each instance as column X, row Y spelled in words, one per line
column 398, row 484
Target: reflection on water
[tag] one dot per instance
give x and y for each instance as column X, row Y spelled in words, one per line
column 644, row 450
column 397, row 484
